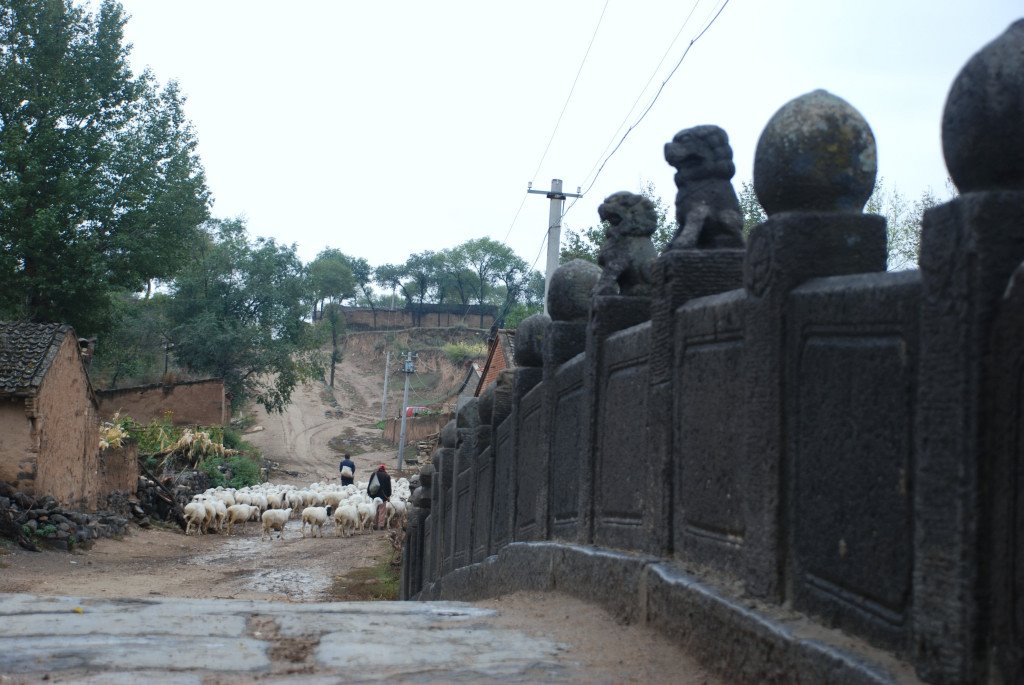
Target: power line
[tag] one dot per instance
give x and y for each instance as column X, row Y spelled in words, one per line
column 571, row 90
column 565, row 106
column 653, row 100
column 644, row 89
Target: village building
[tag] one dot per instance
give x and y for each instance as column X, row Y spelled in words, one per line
column 49, row 430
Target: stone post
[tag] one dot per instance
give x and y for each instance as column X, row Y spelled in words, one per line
column 444, row 466
column 531, row 440
column 468, row 422
column 483, row 477
column 814, row 169
column 503, row 508
column 968, row 588
column 569, row 306
column 682, row 274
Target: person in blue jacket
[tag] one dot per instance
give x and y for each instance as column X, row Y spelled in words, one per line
column 347, row 477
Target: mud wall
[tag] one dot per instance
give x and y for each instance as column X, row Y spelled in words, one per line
column 68, row 460
column 188, row 403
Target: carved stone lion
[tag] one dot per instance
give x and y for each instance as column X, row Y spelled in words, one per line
column 707, row 210
column 627, row 252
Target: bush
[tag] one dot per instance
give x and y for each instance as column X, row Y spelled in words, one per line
column 232, row 439
column 459, row 352
column 244, row 470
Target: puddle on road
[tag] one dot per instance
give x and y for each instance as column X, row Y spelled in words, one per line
column 297, row 585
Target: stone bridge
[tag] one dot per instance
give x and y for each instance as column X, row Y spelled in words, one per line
column 805, row 468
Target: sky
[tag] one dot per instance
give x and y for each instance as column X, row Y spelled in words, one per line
column 385, row 129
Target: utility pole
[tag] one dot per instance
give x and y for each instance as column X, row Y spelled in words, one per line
column 557, row 198
column 384, row 399
column 409, row 368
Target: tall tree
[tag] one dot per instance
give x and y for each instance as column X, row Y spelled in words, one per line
column 331, row 280
column 237, row 309
column 100, row 184
column 362, row 273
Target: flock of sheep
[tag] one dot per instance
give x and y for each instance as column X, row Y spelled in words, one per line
column 349, row 506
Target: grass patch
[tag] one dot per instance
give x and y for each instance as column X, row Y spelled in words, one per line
column 341, row 445
column 374, row 583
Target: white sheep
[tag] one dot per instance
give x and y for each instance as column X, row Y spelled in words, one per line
column 275, row 519
column 398, row 512
column 239, row 513
column 195, row 515
column 367, row 513
column 315, row 517
column 346, row 520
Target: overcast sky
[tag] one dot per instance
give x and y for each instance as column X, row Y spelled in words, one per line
column 388, row 128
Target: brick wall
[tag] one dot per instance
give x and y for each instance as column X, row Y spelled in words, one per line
column 190, row 403
column 359, row 318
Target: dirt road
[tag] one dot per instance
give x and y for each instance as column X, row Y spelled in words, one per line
column 162, row 562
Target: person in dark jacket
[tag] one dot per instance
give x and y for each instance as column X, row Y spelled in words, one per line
column 383, row 491
column 347, row 462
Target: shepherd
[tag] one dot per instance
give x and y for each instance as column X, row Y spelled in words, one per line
column 380, row 486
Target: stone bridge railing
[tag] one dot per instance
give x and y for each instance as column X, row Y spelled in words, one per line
column 804, row 467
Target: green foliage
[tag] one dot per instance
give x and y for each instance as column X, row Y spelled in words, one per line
column 154, row 437
column 101, row 188
column 330, row 278
column 460, row 352
column 519, row 311
column 232, row 439
column 903, row 220
column 244, row 471
column 237, row 313
column 753, row 213
column 135, row 349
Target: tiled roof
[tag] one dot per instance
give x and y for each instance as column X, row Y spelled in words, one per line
column 26, row 352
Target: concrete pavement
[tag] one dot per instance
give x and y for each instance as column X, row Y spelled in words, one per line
column 186, row 642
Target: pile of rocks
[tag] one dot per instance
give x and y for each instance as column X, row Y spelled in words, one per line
column 33, row 520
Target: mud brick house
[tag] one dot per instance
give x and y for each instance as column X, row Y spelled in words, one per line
column 48, row 419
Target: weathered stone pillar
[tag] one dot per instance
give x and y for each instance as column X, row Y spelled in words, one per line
column 619, row 508
column 813, row 171
column 968, row 570
column 414, row 551
column 696, row 266
column 569, row 305
column 468, row 422
column 531, row 439
column 444, row 468
column 483, row 477
column 502, row 445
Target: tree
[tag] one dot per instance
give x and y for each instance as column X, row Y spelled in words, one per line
column 532, row 301
column 136, row 347
column 462, row 280
column 362, row 273
column 903, row 220
column 753, row 213
column 330, row 278
column 237, row 310
column 101, row 188
column 390, row 276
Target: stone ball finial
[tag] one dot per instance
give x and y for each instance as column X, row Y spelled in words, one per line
column 529, row 344
column 450, row 434
column 570, row 289
column 817, row 153
column 468, row 415
column 983, row 122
